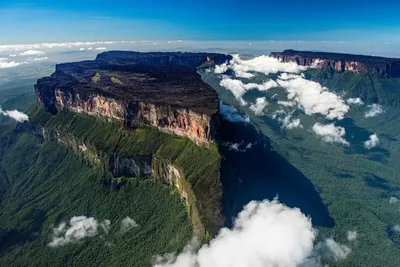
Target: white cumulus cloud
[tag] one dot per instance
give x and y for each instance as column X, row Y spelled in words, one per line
column 372, row 142
column 287, row 122
column 262, row 64
column 15, row 114
column 314, row 98
column 374, row 110
column 355, row 101
column 352, row 235
column 238, row 88
column 330, row 133
column 259, row 106
column 219, row 69
column 79, row 228
column 101, row 48
column 265, row 234
column 32, row 53
column 128, row 224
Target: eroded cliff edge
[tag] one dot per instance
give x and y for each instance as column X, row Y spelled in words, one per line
column 130, row 113
column 373, row 79
column 387, row 67
column 162, row 90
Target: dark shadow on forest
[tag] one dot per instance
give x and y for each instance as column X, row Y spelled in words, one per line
column 12, row 237
column 379, row 182
column 261, row 173
column 357, row 136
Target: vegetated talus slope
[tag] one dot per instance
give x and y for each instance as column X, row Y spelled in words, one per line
column 147, row 153
column 43, row 184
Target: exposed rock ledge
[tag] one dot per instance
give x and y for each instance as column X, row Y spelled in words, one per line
column 142, row 153
column 387, row 67
column 162, row 90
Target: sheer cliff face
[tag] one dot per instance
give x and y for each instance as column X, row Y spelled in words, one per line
column 161, row 90
column 342, row 62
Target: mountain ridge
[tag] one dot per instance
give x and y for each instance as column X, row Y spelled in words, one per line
column 341, row 62
column 162, row 90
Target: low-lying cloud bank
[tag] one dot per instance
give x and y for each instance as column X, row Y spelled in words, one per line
column 261, row 64
column 314, row 98
column 79, row 228
column 265, row 234
column 309, row 95
column 15, row 114
column 5, row 63
column 32, row 53
column 372, row 142
column 330, row 133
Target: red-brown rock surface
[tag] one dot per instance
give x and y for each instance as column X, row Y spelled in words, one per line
column 387, row 67
column 162, row 90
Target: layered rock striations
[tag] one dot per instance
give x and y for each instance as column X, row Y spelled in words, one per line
column 102, row 110
column 162, row 90
column 387, row 67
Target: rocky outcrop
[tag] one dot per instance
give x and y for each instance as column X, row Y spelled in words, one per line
column 150, row 166
column 161, row 90
column 386, row 67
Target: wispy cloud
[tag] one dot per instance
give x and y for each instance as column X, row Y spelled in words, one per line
column 352, row 235
column 5, row 63
column 79, row 228
column 32, row 53
column 232, row 114
column 374, row 110
column 332, row 250
column 19, row 47
column 287, row 103
column 393, row 200
column 259, row 106
column 238, row 147
column 15, row 114
column 128, row 224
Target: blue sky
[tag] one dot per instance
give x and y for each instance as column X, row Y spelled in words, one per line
column 89, row 20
